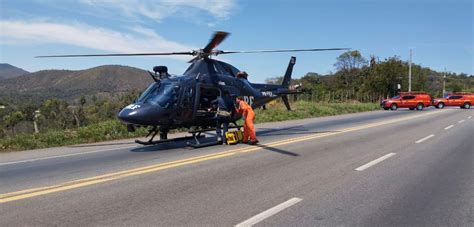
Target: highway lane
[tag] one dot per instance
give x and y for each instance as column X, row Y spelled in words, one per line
column 425, row 184
column 51, row 166
column 229, row 190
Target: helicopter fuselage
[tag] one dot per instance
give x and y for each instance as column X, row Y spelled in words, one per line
column 185, row 101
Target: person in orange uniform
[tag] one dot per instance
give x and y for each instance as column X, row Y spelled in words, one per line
column 249, row 116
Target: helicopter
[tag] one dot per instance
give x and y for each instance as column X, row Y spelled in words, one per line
column 183, row 101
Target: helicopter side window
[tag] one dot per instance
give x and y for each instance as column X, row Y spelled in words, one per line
column 187, row 98
column 165, row 96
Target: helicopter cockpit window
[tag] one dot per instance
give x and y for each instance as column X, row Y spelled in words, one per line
column 164, row 95
column 146, row 93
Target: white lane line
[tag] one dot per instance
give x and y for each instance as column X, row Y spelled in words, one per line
column 62, row 156
column 426, row 138
column 448, row 127
column 469, row 117
column 268, row 213
column 369, row 164
column 461, row 121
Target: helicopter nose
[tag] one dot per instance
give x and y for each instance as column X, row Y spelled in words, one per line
column 137, row 115
column 127, row 116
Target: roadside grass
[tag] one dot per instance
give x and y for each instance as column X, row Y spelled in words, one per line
column 304, row 109
column 113, row 129
column 103, row 131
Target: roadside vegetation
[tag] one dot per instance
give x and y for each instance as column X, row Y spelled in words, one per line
column 103, row 131
column 304, row 109
column 113, row 129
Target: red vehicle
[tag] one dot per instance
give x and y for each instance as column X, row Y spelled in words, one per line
column 463, row 100
column 411, row 100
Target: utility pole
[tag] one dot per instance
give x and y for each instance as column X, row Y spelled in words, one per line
column 444, row 82
column 409, row 74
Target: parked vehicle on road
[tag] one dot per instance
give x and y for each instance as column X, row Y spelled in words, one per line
column 411, row 100
column 463, row 100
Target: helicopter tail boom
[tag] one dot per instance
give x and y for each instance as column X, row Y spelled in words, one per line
column 289, row 70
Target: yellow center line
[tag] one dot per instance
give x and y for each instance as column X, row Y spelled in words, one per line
column 33, row 192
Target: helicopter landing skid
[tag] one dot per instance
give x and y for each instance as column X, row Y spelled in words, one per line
column 151, row 142
column 164, row 137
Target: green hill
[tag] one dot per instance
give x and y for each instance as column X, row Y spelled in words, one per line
column 102, row 81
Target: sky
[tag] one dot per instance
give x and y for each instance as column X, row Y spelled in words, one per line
column 440, row 32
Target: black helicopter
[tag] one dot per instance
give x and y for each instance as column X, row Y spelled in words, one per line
column 172, row 102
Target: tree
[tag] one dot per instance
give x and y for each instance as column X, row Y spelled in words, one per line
column 311, row 82
column 56, row 114
column 348, row 64
column 12, row 119
column 28, row 110
column 388, row 74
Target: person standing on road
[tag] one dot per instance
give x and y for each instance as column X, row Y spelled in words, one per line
column 225, row 109
column 249, row 116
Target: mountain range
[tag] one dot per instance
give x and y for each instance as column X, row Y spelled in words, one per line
column 8, row 71
column 107, row 80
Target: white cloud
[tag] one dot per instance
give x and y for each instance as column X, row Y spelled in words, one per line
column 160, row 9
column 137, row 41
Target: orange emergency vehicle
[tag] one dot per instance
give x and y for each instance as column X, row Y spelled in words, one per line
column 411, row 100
column 463, row 100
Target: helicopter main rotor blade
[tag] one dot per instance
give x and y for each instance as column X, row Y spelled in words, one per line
column 215, row 41
column 276, row 51
column 114, row 55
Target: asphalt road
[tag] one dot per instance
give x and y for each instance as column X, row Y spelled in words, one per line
column 382, row 168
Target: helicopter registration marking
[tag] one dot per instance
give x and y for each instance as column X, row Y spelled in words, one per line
column 249, row 99
column 132, row 106
column 267, row 93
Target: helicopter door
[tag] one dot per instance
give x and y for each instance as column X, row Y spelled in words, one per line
column 187, row 102
column 203, row 105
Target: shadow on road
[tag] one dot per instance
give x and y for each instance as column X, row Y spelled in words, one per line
column 293, row 130
column 274, row 149
column 100, row 145
column 172, row 145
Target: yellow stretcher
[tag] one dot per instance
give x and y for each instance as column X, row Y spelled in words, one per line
column 234, row 137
